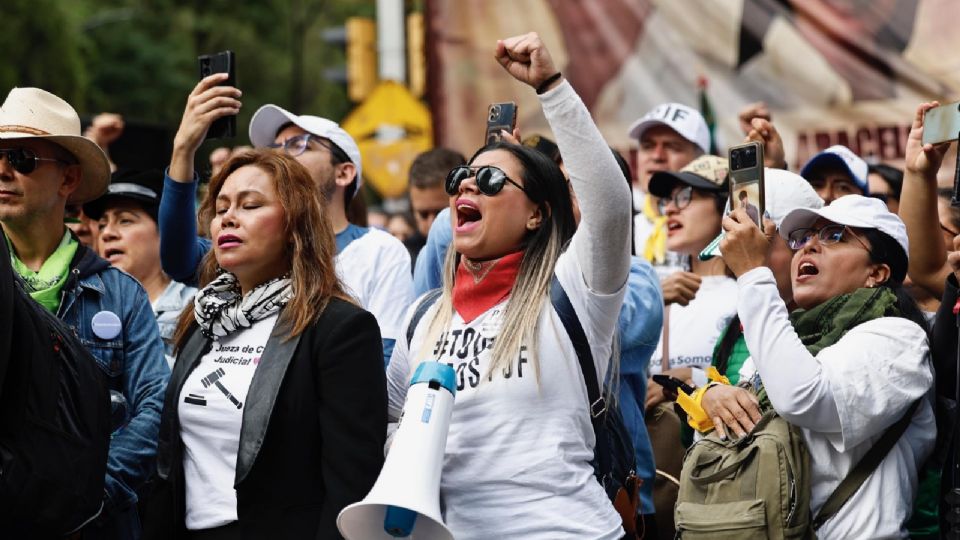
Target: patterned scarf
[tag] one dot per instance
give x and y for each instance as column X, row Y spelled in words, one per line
column 220, row 308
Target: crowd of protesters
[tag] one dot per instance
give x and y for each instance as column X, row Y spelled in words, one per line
column 258, row 347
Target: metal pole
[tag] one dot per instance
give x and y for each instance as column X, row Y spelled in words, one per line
column 391, row 44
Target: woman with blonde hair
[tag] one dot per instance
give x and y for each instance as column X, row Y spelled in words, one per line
column 273, row 419
column 518, row 453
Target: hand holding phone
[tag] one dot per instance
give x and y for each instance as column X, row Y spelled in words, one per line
column 941, row 124
column 746, row 179
column 221, row 62
column 500, row 116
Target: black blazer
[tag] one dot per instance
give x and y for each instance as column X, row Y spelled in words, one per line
column 312, row 436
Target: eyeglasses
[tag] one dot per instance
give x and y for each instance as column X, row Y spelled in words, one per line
column 25, row 160
column 490, row 179
column 681, row 199
column 294, row 146
column 831, row 234
column 948, row 230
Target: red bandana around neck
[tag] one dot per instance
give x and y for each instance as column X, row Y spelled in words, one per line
column 481, row 285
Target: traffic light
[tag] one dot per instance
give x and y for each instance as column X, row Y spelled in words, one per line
column 416, row 56
column 361, row 57
column 359, row 37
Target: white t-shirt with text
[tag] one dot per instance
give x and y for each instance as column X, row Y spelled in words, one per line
column 211, row 414
column 696, row 327
column 517, row 462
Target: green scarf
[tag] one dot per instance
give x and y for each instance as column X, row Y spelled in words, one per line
column 824, row 325
column 45, row 286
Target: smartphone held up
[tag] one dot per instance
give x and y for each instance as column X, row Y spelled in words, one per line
column 746, row 179
column 500, row 117
column 221, row 62
column 941, row 124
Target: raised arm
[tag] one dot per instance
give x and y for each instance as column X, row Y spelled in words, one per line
column 180, row 248
column 918, row 208
column 602, row 241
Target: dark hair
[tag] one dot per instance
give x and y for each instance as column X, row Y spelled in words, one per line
column 430, row 168
column 953, row 214
column 885, row 250
column 891, row 175
column 544, row 146
column 547, row 187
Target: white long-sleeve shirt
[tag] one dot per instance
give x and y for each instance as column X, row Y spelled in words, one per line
column 517, row 461
column 843, row 399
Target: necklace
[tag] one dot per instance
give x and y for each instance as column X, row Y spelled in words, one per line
column 479, row 270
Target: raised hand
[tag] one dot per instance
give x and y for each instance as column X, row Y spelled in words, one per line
column 206, row 103
column 526, row 59
column 764, row 132
column 744, row 245
column 923, row 159
column 750, row 112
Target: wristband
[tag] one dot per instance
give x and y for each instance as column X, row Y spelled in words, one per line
column 550, row 80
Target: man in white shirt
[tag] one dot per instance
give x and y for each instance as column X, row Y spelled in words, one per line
column 373, row 265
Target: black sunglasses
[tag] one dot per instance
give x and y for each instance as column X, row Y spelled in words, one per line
column 24, row 160
column 490, row 179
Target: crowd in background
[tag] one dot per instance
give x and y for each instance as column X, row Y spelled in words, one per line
column 258, row 340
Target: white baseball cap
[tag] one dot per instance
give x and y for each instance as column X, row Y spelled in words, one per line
column 686, row 121
column 266, row 122
column 784, row 192
column 845, row 158
column 853, row 211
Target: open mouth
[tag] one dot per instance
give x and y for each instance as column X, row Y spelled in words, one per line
column 467, row 213
column 673, row 226
column 109, row 253
column 807, row 269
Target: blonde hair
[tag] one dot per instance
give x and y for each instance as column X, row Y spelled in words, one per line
column 547, row 187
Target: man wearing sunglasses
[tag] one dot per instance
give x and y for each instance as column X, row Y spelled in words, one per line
column 373, row 265
column 45, row 164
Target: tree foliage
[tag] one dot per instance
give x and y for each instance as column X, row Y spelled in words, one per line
column 138, row 57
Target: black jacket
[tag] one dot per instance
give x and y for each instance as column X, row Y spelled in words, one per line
column 943, row 348
column 312, row 436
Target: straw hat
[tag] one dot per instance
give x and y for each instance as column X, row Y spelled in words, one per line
column 32, row 113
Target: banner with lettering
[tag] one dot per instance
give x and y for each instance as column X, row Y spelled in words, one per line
column 831, row 71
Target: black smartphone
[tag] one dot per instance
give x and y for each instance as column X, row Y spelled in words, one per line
column 500, row 116
column 672, row 383
column 745, row 163
column 221, row 62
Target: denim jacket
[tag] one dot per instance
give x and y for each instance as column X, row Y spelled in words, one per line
column 133, row 361
column 167, row 310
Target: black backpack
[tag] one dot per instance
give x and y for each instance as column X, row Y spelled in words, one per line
column 54, row 419
column 614, row 461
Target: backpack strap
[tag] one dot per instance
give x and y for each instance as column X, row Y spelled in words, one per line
column 596, row 403
column 429, row 299
column 864, row 468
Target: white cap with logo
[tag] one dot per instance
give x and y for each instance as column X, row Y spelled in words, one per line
column 686, row 121
column 269, row 118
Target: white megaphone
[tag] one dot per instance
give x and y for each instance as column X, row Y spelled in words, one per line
column 405, row 500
